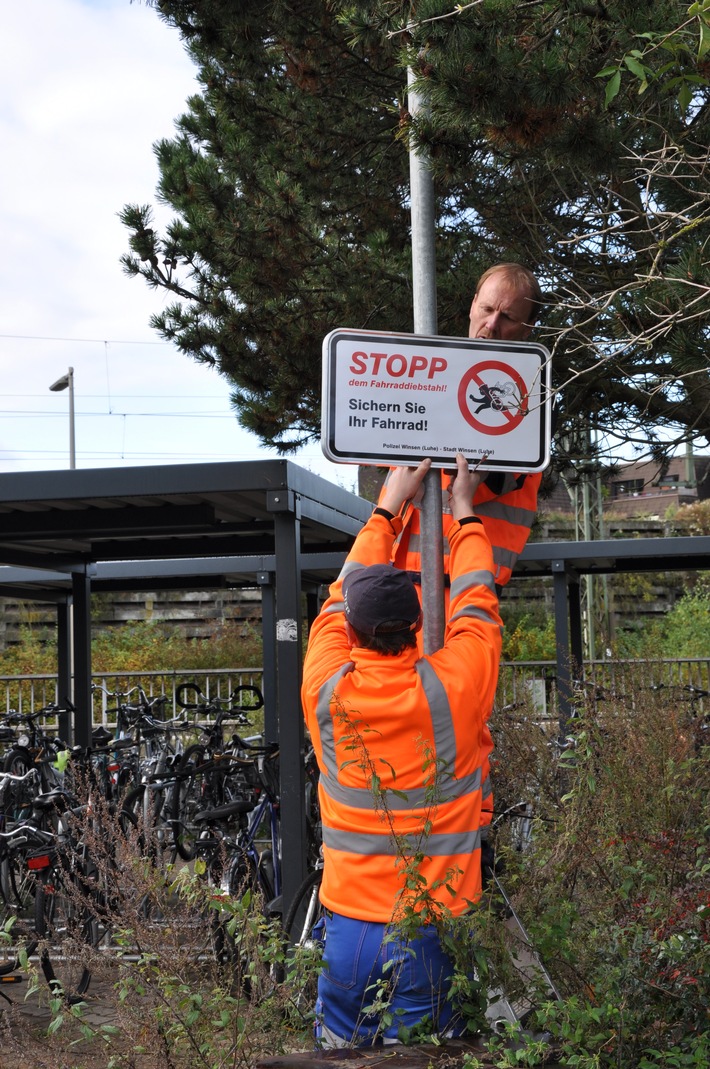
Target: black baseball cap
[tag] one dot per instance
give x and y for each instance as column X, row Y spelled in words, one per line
column 377, row 595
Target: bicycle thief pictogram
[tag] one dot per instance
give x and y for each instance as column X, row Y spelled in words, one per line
column 493, row 397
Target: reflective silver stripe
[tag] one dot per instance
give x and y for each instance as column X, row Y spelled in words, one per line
column 510, row 482
column 414, row 545
column 444, row 735
column 465, row 582
column 325, row 721
column 508, row 513
column 435, row 845
column 349, row 566
column 487, row 788
column 504, row 558
column 336, row 606
column 474, row 613
column 446, row 788
column 415, row 798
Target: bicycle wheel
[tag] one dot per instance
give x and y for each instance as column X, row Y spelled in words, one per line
column 68, row 932
column 17, row 930
column 304, row 951
column 231, row 932
column 18, row 797
column 190, row 795
column 305, row 911
column 144, row 809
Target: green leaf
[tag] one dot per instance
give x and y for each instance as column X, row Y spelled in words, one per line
column 390, row 766
column 685, row 95
column 612, row 89
column 636, row 68
column 703, row 39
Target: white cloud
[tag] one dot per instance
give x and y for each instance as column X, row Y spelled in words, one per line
column 86, row 89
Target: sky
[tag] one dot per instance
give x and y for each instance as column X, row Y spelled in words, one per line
column 86, row 88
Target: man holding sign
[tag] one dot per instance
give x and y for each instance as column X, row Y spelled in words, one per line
column 505, row 307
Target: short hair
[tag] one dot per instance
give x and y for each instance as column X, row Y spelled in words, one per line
column 521, row 277
column 389, row 639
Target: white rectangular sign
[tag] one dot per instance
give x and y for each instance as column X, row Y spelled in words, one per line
column 395, row 398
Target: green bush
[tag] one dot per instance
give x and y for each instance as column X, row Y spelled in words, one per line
column 615, row 885
column 528, row 641
column 685, row 630
column 134, row 647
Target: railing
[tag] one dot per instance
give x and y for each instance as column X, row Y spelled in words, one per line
column 532, row 684
column 29, row 692
column 529, row 684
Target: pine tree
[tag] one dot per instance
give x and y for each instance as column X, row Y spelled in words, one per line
column 290, row 188
column 569, row 135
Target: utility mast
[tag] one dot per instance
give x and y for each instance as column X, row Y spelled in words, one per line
column 587, row 497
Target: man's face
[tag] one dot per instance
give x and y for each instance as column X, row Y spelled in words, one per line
column 501, row 311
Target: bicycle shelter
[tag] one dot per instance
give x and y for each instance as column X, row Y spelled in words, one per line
column 64, row 534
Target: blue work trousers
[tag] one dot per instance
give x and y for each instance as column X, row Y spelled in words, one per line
column 361, row 955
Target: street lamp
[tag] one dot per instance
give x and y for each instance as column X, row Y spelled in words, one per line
column 67, row 381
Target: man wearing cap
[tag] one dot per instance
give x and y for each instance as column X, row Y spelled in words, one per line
column 400, row 740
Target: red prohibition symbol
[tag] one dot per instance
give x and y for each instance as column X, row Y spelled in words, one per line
column 506, row 399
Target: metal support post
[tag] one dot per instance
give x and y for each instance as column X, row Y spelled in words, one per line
column 285, row 507
column 268, row 641
column 562, row 635
column 81, row 597
column 65, row 727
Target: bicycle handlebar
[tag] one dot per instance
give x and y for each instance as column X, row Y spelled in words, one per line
column 7, row 777
column 205, row 704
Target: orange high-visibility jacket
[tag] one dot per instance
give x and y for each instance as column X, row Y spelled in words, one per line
column 507, row 512
column 507, row 506
column 400, row 740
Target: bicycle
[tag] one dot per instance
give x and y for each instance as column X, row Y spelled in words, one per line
column 66, row 903
column 208, row 767
column 237, row 852
column 303, row 935
column 54, row 890
column 17, row 886
column 34, row 747
column 150, row 804
column 696, row 720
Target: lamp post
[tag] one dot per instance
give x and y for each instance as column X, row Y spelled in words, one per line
column 67, row 381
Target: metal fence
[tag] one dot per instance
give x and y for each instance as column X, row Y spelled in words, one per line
column 28, row 693
column 529, row 685
column 533, row 684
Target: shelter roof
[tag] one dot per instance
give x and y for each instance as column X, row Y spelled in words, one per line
column 166, row 525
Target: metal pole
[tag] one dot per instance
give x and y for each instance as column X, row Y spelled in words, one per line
column 67, row 381
column 72, row 445
column 423, row 216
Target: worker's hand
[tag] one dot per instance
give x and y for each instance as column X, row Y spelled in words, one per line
column 402, row 485
column 462, row 488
